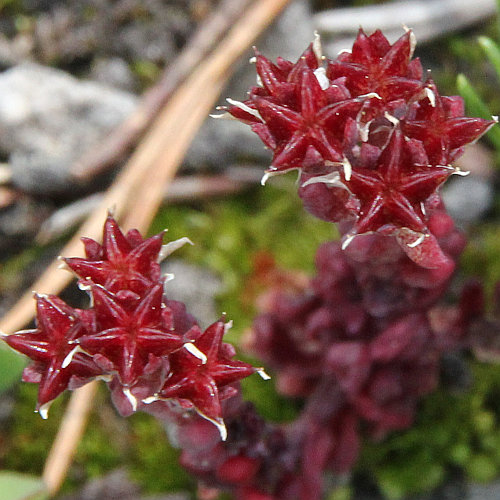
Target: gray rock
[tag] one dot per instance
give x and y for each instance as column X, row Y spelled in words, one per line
column 222, row 142
column 48, row 119
column 194, row 286
column 484, row 491
column 467, row 199
column 113, row 71
column 117, row 485
column 112, row 486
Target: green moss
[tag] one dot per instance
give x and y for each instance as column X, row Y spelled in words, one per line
column 481, row 255
column 154, row 463
column 450, row 431
column 29, row 437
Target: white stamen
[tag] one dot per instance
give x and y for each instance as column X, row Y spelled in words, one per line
column 62, row 264
column 364, row 130
column 44, row 410
column 347, row 241
column 332, row 178
column 223, row 116
column 171, row 247
column 150, row 399
column 422, row 207
column 228, row 326
column 69, row 358
column 316, row 46
column 132, row 399
column 268, row 175
column 169, row 277
column 431, row 96
column 252, row 60
column 461, row 173
column 190, row 347
column 413, row 40
column 222, row 429
column 362, row 97
column 320, row 74
column 391, row 118
column 244, row 107
column 494, row 118
column 347, row 169
column 263, row 374
column 417, row 241
column 83, row 287
column 218, row 422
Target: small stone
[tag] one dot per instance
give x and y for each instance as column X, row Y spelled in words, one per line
column 194, row 286
column 113, row 72
column 467, row 199
column 48, row 119
column 484, row 491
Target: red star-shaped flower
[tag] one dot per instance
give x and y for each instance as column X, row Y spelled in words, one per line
column 297, row 112
column 392, row 195
column 122, row 262
column 440, row 124
column 374, row 65
column 50, row 346
column 313, row 132
column 202, row 381
column 278, row 83
column 126, row 337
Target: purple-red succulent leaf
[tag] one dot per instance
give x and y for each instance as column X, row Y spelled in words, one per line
column 423, row 249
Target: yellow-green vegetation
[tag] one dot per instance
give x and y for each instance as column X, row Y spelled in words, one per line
column 138, row 444
column 451, row 431
column 227, row 235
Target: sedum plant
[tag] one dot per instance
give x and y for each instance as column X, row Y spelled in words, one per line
column 359, row 344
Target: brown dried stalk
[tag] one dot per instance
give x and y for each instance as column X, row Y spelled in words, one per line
column 138, row 190
column 121, row 140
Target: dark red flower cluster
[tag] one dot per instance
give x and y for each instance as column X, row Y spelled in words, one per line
column 361, row 346
column 145, row 346
column 372, row 140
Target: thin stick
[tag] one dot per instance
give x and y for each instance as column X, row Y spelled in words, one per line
column 117, row 144
column 68, row 436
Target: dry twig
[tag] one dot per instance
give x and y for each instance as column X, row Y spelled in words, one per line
column 183, row 189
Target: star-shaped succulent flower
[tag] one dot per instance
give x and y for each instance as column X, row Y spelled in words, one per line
column 393, row 195
column 297, row 112
column 127, row 337
column 439, row 122
column 51, row 347
column 201, row 382
column 313, row 134
column 374, row 65
column 122, row 262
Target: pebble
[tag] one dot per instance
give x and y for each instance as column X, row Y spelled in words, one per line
column 48, row 119
column 196, row 287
